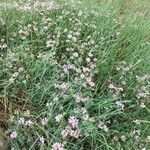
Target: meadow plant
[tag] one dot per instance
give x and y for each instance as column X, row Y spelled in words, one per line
column 74, row 75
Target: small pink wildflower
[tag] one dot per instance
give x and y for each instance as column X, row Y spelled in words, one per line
column 58, row 118
column 92, row 84
column 73, row 121
column 114, row 88
column 120, row 104
column 64, row 133
column 78, row 70
column 103, row 126
column 44, row 121
column 111, row 86
column 68, row 131
column 64, row 86
column 13, row 135
column 65, row 70
column 57, row 146
column 42, row 139
column 28, row 123
column 142, row 95
column 85, row 69
column 75, row 133
column 27, row 113
column 71, row 66
column 142, row 105
column 88, row 79
column 21, row 121
column 79, row 98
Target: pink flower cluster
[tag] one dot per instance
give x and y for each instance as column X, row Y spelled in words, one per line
column 42, row 140
column 142, row 94
column 67, row 67
column 68, row 131
column 57, row 146
column 58, row 118
column 103, row 126
column 79, row 98
column 22, row 121
column 13, row 135
column 112, row 87
column 71, row 129
column 44, row 121
column 64, row 86
column 73, row 121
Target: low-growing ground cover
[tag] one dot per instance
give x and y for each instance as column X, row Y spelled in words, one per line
column 74, row 75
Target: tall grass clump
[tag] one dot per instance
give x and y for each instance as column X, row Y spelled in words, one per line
column 74, row 75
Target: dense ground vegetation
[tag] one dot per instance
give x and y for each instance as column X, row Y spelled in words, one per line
column 75, row 75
